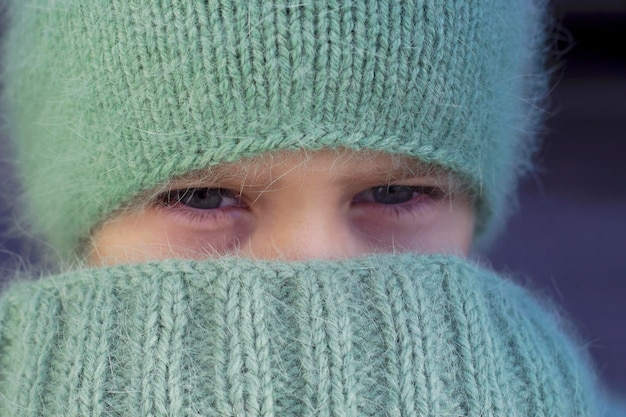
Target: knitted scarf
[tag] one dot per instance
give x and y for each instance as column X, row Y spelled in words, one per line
column 389, row 335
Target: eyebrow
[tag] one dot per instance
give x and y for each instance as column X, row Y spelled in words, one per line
column 404, row 169
column 254, row 170
column 251, row 172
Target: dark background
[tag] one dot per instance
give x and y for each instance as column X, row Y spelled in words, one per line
column 569, row 236
column 568, row 240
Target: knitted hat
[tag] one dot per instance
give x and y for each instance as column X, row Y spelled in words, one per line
column 393, row 335
column 113, row 97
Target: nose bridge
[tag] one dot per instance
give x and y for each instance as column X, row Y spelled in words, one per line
column 308, row 234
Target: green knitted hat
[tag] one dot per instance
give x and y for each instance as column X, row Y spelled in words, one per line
column 393, row 335
column 109, row 98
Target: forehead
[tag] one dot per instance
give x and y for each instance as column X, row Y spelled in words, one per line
column 340, row 165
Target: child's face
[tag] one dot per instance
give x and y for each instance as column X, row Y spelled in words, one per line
column 294, row 205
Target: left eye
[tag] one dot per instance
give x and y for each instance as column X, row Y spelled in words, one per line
column 201, row 198
column 393, row 194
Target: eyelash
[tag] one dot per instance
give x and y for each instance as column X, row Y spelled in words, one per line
column 172, row 202
column 425, row 198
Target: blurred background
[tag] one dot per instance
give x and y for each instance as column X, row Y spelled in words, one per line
column 568, row 240
column 569, row 237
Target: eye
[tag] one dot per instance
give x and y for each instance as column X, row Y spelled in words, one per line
column 201, row 198
column 395, row 194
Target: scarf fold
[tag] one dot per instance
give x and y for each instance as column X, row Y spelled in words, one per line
column 391, row 335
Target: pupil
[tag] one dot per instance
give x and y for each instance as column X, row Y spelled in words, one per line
column 393, row 194
column 202, row 198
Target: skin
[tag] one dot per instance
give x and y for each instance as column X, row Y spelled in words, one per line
column 328, row 204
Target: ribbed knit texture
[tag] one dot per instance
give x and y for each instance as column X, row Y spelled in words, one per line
column 112, row 97
column 379, row 336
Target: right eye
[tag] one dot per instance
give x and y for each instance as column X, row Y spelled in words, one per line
column 398, row 194
column 201, row 198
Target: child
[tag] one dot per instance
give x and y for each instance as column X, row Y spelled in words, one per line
column 268, row 206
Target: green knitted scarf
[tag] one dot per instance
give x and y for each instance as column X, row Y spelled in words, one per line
column 407, row 335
